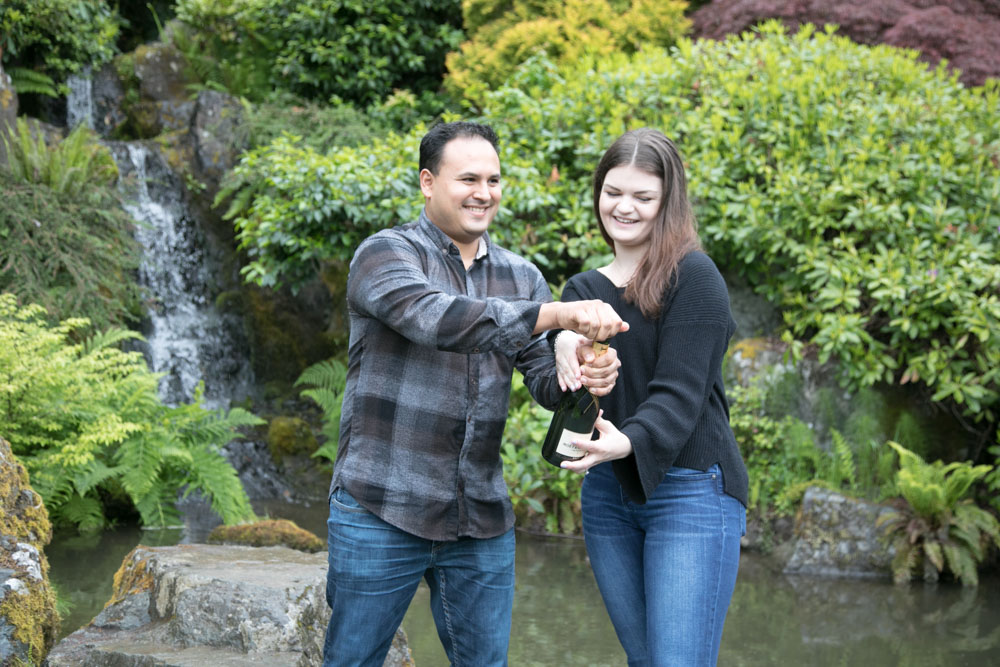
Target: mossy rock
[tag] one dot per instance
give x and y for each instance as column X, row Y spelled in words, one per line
column 28, row 618
column 267, row 533
column 290, row 436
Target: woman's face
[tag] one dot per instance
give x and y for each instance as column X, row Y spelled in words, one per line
column 630, row 200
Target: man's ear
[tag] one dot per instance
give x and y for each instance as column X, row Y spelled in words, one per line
column 426, row 182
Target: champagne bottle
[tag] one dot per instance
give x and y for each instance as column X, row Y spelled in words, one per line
column 573, row 420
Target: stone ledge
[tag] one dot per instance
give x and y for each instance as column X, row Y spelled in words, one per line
column 211, row 605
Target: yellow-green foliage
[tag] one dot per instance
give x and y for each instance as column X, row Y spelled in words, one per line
column 268, row 533
column 86, row 420
column 502, row 35
column 940, row 528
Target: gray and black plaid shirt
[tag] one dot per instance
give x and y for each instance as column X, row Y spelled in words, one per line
column 432, row 350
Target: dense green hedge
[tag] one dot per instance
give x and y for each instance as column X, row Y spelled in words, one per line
column 849, row 184
column 349, row 50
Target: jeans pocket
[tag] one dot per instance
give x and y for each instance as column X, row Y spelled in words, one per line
column 679, row 474
column 345, row 502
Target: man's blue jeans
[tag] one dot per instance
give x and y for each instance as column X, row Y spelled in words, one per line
column 374, row 572
column 666, row 569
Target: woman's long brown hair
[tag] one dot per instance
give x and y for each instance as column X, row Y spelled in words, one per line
column 674, row 233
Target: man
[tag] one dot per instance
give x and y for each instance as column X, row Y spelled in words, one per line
column 439, row 316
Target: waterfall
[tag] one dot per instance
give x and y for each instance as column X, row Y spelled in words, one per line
column 188, row 339
column 80, row 100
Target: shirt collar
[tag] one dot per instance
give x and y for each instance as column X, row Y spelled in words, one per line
column 441, row 240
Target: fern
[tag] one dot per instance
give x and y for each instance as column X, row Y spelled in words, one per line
column 28, row 81
column 328, row 379
column 843, row 470
column 86, row 421
column 84, row 512
column 939, row 529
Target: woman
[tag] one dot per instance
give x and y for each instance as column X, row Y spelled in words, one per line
column 665, row 494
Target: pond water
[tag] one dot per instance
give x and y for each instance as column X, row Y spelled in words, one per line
column 559, row 619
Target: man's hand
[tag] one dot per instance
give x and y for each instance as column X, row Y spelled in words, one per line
column 592, row 319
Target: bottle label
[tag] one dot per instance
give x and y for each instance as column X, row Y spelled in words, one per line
column 566, row 448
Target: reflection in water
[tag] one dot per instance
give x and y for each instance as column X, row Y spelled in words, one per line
column 82, row 567
column 559, row 618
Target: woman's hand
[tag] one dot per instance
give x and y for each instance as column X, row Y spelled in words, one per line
column 568, row 360
column 578, row 365
column 610, row 445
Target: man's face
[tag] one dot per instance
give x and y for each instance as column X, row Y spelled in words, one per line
column 463, row 197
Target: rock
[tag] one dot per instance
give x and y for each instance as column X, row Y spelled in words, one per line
column 157, row 70
column 28, row 618
column 217, row 140
column 196, row 605
column 8, row 111
column 837, row 536
column 965, row 32
column 108, row 96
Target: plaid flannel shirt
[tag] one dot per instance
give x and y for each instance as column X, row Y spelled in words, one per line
column 432, row 348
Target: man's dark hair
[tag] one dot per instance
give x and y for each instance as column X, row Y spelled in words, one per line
column 433, row 143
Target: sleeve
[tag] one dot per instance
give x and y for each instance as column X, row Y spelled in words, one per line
column 536, row 361
column 571, row 292
column 387, row 282
column 693, row 337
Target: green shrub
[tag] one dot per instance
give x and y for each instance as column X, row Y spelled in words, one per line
column 65, row 241
column 940, row 529
column 55, row 38
column 344, row 50
column 993, row 477
column 849, row 184
column 322, row 128
column 86, row 421
column 502, row 35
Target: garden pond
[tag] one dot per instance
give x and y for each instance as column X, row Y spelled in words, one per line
column 774, row 619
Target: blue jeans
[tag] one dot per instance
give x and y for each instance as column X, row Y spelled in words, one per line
column 666, row 569
column 375, row 569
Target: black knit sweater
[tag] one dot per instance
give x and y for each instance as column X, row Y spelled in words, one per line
column 669, row 398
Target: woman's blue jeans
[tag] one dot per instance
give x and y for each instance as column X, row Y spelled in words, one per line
column 666, row 569
column 375, row 569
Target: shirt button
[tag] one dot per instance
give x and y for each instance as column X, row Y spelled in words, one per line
column 469, row 419
column 475, row 350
